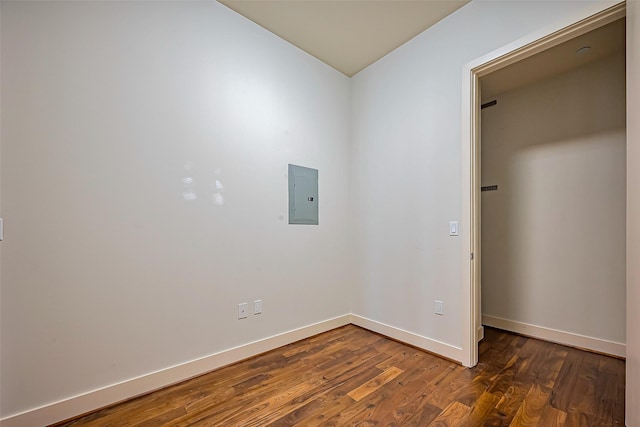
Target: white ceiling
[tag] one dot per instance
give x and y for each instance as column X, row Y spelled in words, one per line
column 348, row 35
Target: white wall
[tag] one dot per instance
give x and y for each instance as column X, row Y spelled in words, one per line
column 108, row 273
column 633, row 213
column 108, row 270
column 406, row 179
column 553, row 234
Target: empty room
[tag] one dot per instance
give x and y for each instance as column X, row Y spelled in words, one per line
column 271, row 213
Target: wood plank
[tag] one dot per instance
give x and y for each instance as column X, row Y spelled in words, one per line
column 577, row 383
column 374, row 384
column 337, row 400
column 481, row 409
column 552, row 417
column 303, row 369
column 273, row 407
column 379, row 403
column 532, row 407
column 423, row 416
column 450, row 384
column 577, row 419
column 541, row 362
column 406, row 397
column 511, row 400
column 297, row 416
column 497, row 418
column 610, row 391
column 456, row 414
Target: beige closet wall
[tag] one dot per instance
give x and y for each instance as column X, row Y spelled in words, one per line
column 553, row 234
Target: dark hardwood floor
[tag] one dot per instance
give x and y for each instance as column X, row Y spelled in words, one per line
column 353, row 377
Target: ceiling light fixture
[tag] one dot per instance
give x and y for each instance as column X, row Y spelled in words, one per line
column 583, row 50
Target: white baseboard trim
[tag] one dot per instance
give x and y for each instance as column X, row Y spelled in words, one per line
column 80, row 404
column 441, row 349
column 554, row 335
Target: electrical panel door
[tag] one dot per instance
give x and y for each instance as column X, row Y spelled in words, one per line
column 303, row 195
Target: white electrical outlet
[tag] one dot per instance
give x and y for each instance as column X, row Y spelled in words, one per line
column 257, row 306
column 438, row 307
column 242, row 310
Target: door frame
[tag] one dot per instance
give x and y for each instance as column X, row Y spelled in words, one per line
column 589, row 19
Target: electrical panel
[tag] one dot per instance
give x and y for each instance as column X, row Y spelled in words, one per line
column 303, row 195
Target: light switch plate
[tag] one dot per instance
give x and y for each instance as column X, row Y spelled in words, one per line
column 453, row 228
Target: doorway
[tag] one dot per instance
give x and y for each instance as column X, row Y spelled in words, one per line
column 553, row 190
column 471, row 169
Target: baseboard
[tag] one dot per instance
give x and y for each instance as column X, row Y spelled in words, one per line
column 441, row 349
column 561, row 337
column 76, row 405
column 80, row 404
column 83, row 403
